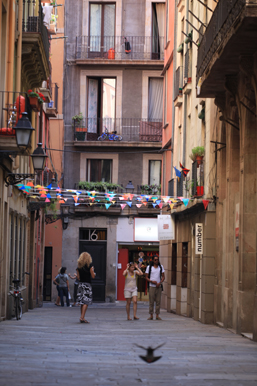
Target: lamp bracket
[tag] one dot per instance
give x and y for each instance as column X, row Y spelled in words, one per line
column 12, row 178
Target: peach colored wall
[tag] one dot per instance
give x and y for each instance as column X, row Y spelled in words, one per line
column 168, row 95
column 53, row 238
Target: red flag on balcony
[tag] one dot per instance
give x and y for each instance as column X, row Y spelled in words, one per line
column 184, row 170
column 205, row 203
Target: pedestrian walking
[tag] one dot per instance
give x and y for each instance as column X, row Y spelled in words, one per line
column 75, row 289
column 130, row 289
column 85, row 272
column 56, row 282
column 63, row 280
column 155, row 276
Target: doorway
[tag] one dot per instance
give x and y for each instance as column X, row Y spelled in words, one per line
column 47, row 286
column 94, row 241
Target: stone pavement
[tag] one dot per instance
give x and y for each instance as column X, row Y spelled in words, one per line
column 49, row 346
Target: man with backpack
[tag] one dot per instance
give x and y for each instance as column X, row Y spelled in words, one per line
column 155, row 276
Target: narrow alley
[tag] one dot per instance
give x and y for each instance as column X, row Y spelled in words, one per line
column 49, row 346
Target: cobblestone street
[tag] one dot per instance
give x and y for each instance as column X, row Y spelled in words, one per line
column 49, row 346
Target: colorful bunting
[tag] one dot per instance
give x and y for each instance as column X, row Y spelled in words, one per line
column 205, row 203
column 185, row 201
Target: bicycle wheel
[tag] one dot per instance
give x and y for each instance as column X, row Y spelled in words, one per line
column 117, row 138
column 18, row 308
column 102, row 137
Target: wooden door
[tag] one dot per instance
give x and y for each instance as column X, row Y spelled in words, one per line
column 123, row 259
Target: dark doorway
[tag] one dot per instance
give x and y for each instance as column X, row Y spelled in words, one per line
column 97, row 249
column 174, row 265
column 184, row 264
column 47, row 287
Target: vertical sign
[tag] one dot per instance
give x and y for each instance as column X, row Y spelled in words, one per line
column 199, row 239
column 237, row 227
column 166, row 227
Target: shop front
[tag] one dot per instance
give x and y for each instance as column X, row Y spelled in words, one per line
column 137, row 241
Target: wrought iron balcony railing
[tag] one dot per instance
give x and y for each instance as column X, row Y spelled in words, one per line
column 178, row 82
column 119, row 47
column 131, row 129
column 33, row 22
column 12, row 104
column 224, row 16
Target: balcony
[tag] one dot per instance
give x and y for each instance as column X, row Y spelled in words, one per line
column 51, row 108
column 231, row 34
column 130, row 129
column 178, row 98
column 116, row 49
column 12, row 104
column 35, row 44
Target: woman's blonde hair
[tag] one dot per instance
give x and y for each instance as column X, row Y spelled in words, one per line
column 84, row 259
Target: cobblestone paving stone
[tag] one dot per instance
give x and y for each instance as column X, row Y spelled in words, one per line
column 49, row 346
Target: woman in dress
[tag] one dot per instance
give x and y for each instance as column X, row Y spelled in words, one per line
column 85, row 272
column 130, row 289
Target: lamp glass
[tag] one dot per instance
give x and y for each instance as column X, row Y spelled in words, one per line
column 23, row 137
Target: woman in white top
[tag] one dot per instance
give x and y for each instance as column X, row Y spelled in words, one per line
column 130, row 289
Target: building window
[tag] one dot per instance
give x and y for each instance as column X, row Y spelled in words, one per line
column 155, row 99
column 102, row 28
column 158, row 25
column 101, row 97
column 99, row 170
column 155, row 172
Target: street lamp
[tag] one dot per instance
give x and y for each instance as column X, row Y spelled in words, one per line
column 38, row 158
column 23, row 131
column 130, row 187
column 65, row 208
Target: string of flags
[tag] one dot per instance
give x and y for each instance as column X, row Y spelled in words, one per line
column 106, row 199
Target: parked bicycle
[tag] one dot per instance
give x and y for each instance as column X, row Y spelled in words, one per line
column 111, row 136
column 17, row 296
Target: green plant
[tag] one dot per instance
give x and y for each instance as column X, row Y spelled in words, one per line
column 150, row 189
column 51, row 208
column 197, row 151
column 78, row 118
column 99, row 186
column 38, row 95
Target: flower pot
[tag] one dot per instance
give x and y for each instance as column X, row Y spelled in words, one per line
column 80, row 135
column 199, row 190
column 34, row 103
column 199, row 160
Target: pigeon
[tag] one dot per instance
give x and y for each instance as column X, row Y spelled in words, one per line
column 149, row 357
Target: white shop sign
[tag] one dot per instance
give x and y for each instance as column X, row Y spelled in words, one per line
column 145, row 229
column 166, row 227
column 199, row 239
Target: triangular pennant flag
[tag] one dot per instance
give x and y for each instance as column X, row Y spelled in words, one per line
column 205, row 203
column 43, row 195
column 138, row 205
column 129, row 203
column 154, row 205
column 49, row 186
column 47, row 200
column 158, row 202
column 22, row 187
column 61, row 202
column 121, row 198
column 107, row 206
column 186, row 201
column 165, row 199
column 123, row 206
column 171, row 206
column 48, row 195
column 160, row 205
column 144, row 202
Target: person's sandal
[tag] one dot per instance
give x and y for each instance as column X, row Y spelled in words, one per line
column 150, row 318
column 135, row 318
column 83, row 321
column 158, row 318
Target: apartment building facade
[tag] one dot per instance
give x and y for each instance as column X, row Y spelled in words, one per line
column 226, row 71
column 24, row 66
column 113, row 63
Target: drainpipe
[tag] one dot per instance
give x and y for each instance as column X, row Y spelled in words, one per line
column 18, row 64
column 174, row 72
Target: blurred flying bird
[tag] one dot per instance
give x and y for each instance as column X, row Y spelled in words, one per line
column 149, row 357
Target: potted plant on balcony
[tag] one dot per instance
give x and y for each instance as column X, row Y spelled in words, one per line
column 80, row 131
column 197, row 154
column 35, row 99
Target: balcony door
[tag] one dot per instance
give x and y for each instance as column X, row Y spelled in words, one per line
column 101, row 29
column 101, row 97
column 158, row 18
